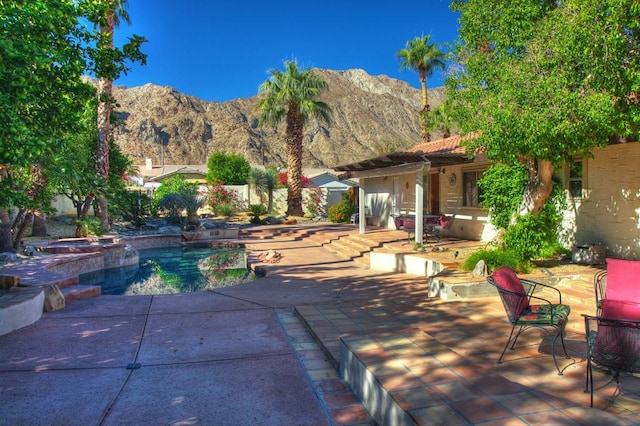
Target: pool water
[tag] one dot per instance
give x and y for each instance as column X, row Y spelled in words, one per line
column 175, row 270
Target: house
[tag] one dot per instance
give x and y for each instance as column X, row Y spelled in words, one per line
column 603, row 193
column 153, row 176
column 330, row 182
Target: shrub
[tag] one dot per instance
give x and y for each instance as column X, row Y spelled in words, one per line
column 495, row 259
column 535, row 236
column 314, row 202
column 171, row 203
column 341, row 212
column 226, row 210
column 255, row 210
column 221, row 200
column 131, row 205
column 89, row 226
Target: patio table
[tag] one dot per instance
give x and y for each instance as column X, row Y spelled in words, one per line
column 407, row 222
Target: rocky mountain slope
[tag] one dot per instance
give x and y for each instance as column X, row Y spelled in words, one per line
column 372, row 115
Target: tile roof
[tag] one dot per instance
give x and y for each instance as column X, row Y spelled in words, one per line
column 450, row 145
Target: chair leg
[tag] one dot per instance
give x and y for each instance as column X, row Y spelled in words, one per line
column 589, row 379
column 564, row 348
column 553, row 351
column 508, row 342
column 515, row 339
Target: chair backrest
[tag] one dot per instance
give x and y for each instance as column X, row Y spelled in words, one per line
column 614, row 343
column 622, row 280
column 409, row 224
column 511, row 291
column 445, row 221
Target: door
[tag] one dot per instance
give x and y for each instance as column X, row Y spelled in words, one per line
column 434, row 193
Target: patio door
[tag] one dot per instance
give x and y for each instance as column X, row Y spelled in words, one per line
column 433, row 195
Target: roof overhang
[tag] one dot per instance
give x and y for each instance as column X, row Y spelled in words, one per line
column 398, row 164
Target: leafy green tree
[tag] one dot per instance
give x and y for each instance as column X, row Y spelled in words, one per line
column 424, row 57
column 292, row 96
column 109, row 62
column 42, row 59
column 502, row 192
column 177, row 194
column 74, row 173
column 541, row 83
column 231, row 169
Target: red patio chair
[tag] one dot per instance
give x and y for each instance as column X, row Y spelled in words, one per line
column 617, row 289
column 612, row 343
column 522, row 314
column 434, row 229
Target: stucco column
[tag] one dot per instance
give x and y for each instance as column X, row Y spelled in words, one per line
column 361, row 209
column 419, row 206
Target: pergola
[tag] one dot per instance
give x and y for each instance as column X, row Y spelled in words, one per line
column 395, row 164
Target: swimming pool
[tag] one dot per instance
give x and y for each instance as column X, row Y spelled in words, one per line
column 175, row 270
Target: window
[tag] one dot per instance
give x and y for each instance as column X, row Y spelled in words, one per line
column 471, row 190
column 575, row 179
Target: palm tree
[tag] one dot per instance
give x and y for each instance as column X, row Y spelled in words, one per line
column 255, row 179
column 112, row 12
column 291, row 95
column 270, row 183
column 441, row 118
column 423, row 57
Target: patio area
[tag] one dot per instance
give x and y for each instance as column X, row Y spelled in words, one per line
column 431, row 358
column 402, row 331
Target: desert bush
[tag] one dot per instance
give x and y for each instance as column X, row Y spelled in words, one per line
column 341, row 212
column 495, row 259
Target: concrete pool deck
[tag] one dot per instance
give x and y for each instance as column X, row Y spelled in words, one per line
column 265, row 353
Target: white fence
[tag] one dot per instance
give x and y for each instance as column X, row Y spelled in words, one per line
column 326, row 198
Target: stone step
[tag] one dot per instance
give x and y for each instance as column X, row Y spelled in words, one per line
column 78, row 292
column 20, row 307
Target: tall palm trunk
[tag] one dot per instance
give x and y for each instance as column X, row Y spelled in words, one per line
column 105, row 105
column 294, row 161
column 426, row 136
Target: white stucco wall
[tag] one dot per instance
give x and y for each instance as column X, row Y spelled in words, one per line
column 609, row 214
column 470, row 223
column 378, row 200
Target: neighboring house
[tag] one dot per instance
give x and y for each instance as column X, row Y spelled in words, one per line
column 330, row 182
column 326, row 179
column 438, row 177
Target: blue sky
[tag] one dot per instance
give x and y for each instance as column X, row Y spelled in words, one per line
column 223, row 49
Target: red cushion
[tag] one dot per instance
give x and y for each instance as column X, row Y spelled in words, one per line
column 623, row 280
column 507, row 278
column 621, row 310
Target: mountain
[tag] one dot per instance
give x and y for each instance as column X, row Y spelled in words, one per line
column 372, row 115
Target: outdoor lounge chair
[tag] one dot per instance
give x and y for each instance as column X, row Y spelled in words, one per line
column 522, row 314
column 613, row 343
column 617, row 289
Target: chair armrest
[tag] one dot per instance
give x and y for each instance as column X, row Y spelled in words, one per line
column 534, row 284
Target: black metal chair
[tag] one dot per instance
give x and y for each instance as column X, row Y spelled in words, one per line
column 612, row 343
column 522, row 314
